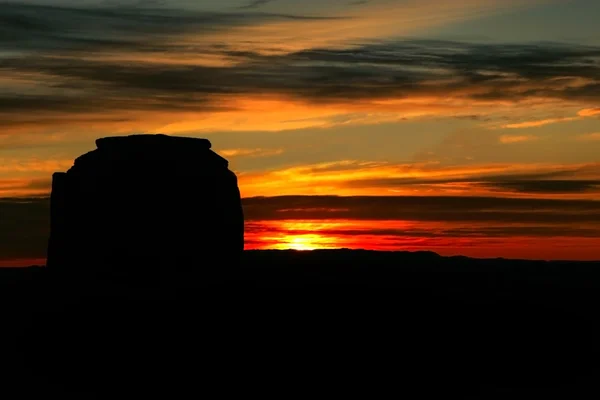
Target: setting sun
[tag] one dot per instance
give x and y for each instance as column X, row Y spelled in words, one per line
column 305, row 242
column 295, row 235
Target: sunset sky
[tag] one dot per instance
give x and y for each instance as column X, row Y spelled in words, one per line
column 465, row 127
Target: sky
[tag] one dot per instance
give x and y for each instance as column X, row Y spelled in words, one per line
column 466, row 127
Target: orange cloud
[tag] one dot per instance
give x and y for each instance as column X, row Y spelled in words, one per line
column 249, row 152
column 24, row 187
column 14, row 166
column 373, row 82
column 589, row 112
column 538, row 123
column 351, row 177
column 509, row 139
column 250, row 112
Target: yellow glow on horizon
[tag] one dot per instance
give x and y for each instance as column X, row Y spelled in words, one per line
column 294, row 235
column 394, row 235
column 303, row 242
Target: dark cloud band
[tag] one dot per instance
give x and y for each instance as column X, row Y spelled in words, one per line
column 25, row 223
column 44, row 28
column 566, row 181
column 416, row 208
column 56, row 44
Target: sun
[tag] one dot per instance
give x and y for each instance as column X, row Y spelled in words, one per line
column 301, row 243
column 299, row 235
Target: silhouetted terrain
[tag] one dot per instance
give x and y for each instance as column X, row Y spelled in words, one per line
column 313, row 323
column 145, row 294
column 145, row 200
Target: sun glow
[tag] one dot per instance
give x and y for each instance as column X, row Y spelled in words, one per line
column 295, row 235
column 446, row 238
column 302, row 242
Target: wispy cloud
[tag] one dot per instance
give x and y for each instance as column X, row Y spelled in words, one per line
column 20, row 187
column 118, row 27
column 509, row 139
column 589, row 112
column 416, row 208
column 373, row 82
column 354, row 177
column 250, row 152
column 139, row 64
column 538, row 123
column 255, row 4
column 569, row 180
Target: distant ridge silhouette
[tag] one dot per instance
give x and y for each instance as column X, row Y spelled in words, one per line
column 146, row 208
column 157, row 209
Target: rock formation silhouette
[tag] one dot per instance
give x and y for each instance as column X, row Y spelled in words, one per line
column 146, row 207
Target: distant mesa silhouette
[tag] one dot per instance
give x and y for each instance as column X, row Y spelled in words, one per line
column 146, row 207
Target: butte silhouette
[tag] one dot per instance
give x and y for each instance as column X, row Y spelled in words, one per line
column 146, row 207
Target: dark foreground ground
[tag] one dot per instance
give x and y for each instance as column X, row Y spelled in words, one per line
column 310, row 324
